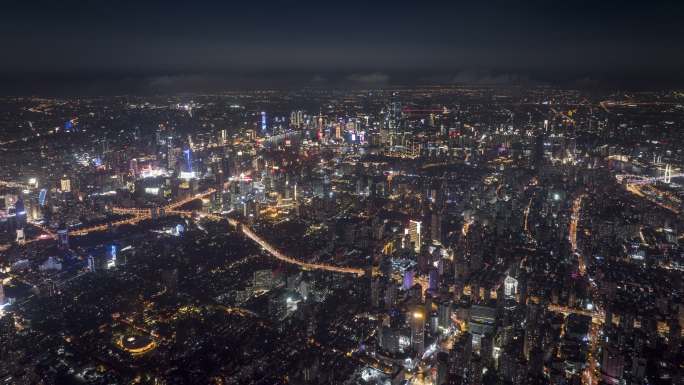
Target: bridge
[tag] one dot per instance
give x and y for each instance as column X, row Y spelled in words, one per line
column 641, row 180
column 175, row 205
column 280, row 256
column 139, row 214
column 104, row 227
column 127, row 211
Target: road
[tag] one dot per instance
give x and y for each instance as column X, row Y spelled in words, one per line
column 590, row 375
column 140, row 215
column 272, row 250
column 572, row 232
column 249, row 233
column 652, row 194
column 279, row 255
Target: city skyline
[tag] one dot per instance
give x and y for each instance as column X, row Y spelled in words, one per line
column 292, row 192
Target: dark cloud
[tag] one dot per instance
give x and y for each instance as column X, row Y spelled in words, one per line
column 370, row 78
column 484, row 77
column 319, row 79
column 378, row 42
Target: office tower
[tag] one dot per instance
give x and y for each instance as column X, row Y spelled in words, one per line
column 21, row 237
column 417, row 321
column 20, row 212
column 482, row 322
column 338, row 131
column 7, row 334
column 375, row 292
column 414, row 234
column 433, row 280
column 296, row 119
column 444, row 314
column 408, row 279
column 510, row 287
column 65, row 184
column 459, row 360
column 612, row 364
column 187, row 153
column 390, row 296
column 63, row 237
column 436, row 227
column 538, row 152
column 92, row 264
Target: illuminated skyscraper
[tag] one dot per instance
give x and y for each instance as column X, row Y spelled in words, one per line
column 63, row 237
column 408, row 279
column 297, row 119
column 65, row 184
column 433, row 280
column 21, row 237
column 393, row 116
column 188, row 159
column 418, row 330
column 92, row 264
column 42, row 197
column 20, row 210
column 338, row 131
column 510, row 287
column 414, row 234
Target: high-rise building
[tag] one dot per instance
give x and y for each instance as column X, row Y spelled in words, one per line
column 417, row 320
column 433, row 280
column 65, row 185
column 7, row 333
column 20, row 211
column 21, row 238
column 612, row 364
column 338, row 131
column 409, row 276
column 510, row 287
column 414, row 234
column 482, row 321
column 92, row 264
column 538, row 152
column 390, row 296
column 375, row 292
column 297, row 119
column 436, row 227
column 63, row 237
column 444, row 314
column 187, row 153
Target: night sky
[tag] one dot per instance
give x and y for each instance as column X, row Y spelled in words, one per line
column 128, row 46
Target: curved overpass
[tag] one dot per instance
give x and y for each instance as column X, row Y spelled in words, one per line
column 249, row 233
column 279, row 255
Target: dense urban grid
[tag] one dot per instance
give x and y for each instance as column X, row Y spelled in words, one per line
column 425, row 235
